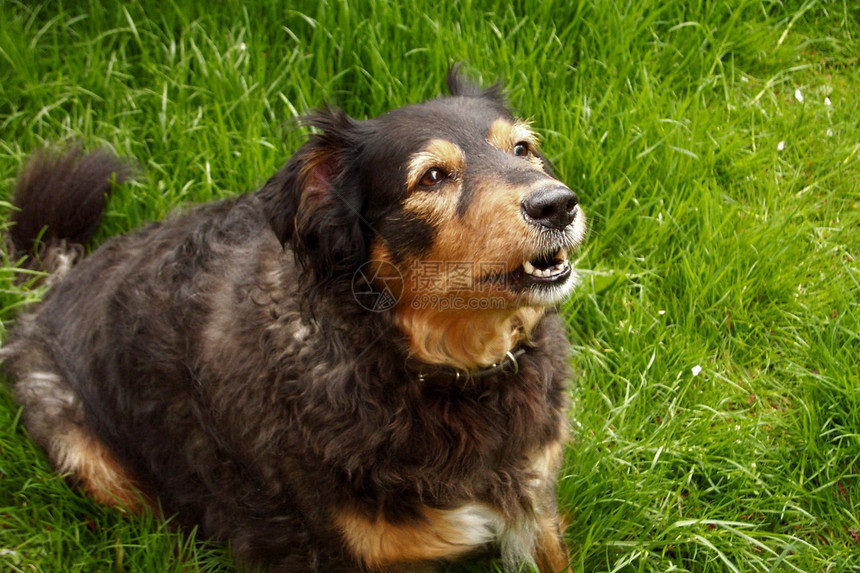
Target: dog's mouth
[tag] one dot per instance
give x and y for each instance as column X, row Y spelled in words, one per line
column 548, row 268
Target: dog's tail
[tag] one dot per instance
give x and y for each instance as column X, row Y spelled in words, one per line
column 58, row 203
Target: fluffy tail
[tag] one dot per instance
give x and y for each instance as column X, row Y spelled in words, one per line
column 59, row 200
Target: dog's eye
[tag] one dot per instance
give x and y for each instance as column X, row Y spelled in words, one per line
column 522, row 149
column 432, row 177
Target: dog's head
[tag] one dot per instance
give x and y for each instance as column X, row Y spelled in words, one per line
column 448, row 207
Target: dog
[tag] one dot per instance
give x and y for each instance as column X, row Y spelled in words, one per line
column 357, row 367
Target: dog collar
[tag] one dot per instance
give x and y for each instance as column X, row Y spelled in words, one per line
column 508, row 364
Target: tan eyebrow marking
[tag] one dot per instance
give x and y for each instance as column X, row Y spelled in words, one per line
column 440, row 153
column 504, row 135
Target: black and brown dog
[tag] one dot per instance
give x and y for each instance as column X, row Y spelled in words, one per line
column 225, row 364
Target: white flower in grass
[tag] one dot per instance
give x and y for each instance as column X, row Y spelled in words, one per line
column 798, row 95
column 696, row 370
column 780, row 146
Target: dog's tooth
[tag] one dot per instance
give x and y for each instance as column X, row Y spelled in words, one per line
column 528, row 268
column 561, row 266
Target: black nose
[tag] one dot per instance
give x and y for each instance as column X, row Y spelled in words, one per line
column 552, row 207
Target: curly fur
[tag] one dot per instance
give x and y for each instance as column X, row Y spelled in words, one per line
column 216, row 365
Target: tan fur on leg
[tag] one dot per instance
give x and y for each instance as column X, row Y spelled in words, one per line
column 97, row 472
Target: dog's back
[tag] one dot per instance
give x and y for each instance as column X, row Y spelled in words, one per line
column 135, row 309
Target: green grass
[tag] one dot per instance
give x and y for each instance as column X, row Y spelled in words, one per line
column 725, row 231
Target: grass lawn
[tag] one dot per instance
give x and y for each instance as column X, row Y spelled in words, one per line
column 716, row 148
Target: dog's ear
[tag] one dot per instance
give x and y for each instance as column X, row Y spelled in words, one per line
column 314, row 203
column 460, row 85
